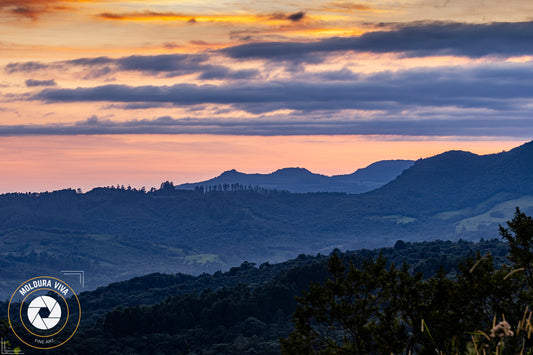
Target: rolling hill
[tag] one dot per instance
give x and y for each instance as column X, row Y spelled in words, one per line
column 115, row 234
column 302, row 180
column 243, row 310
column 456, row 180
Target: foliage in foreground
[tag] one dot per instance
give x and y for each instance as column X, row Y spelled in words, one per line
column 5, row 344
column 380, row 309
column 217, row 314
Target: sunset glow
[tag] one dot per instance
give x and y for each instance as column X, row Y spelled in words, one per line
column 105, row 92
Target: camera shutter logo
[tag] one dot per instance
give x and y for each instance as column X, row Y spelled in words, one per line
column 34, row 312
column 44, row 312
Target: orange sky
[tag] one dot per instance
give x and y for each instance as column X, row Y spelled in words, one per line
column 100, row 92
column 31, row 165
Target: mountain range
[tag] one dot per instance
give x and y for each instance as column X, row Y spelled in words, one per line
column 244, row 310
column 115, row 234
column 301, row 180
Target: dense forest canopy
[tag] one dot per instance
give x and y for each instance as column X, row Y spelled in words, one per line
column 119, row 232
column 381, row 296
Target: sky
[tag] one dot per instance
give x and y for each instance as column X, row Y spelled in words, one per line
column 104, row 92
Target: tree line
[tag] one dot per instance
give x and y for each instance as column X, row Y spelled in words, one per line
column 385, row 309
column 411, row 298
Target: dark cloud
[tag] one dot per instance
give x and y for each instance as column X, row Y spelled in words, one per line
column 29, row 12
column 171, row 45
column 88, row 61
column 111, row 16
column 31, row 9
column 33, row 83
column 250, row 35
column 495, row 87
column 143, row 15
column 199, row 43
column 167, row 65
column 221, row 72
column 138, row 106
column 271, row 127
column 343, row 74
column 25, row 67
column 296, row 16
column 414, row 39
column 98, row 73
column 176, row 63
column 349, row 6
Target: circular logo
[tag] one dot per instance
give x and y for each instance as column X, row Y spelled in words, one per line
column 35, row 315
column 44, row 312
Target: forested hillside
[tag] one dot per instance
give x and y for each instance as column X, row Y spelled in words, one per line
column 231, row 312
column 116, row 233
column 456, row 180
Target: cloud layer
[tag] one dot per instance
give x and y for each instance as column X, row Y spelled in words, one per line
column 167, row 65
column 32, row 83
column 495, row 87
column 303, row 80
column 413, row 39
column 273, row 127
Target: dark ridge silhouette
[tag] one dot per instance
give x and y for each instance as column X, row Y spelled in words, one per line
column 302, row 180
column 116, row 233
column 458, row 179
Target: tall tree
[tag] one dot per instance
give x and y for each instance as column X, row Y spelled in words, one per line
column 519, row 235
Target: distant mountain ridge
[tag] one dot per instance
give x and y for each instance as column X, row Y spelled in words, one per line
column 458, row 179
column 301, row 180
column 117, row 233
